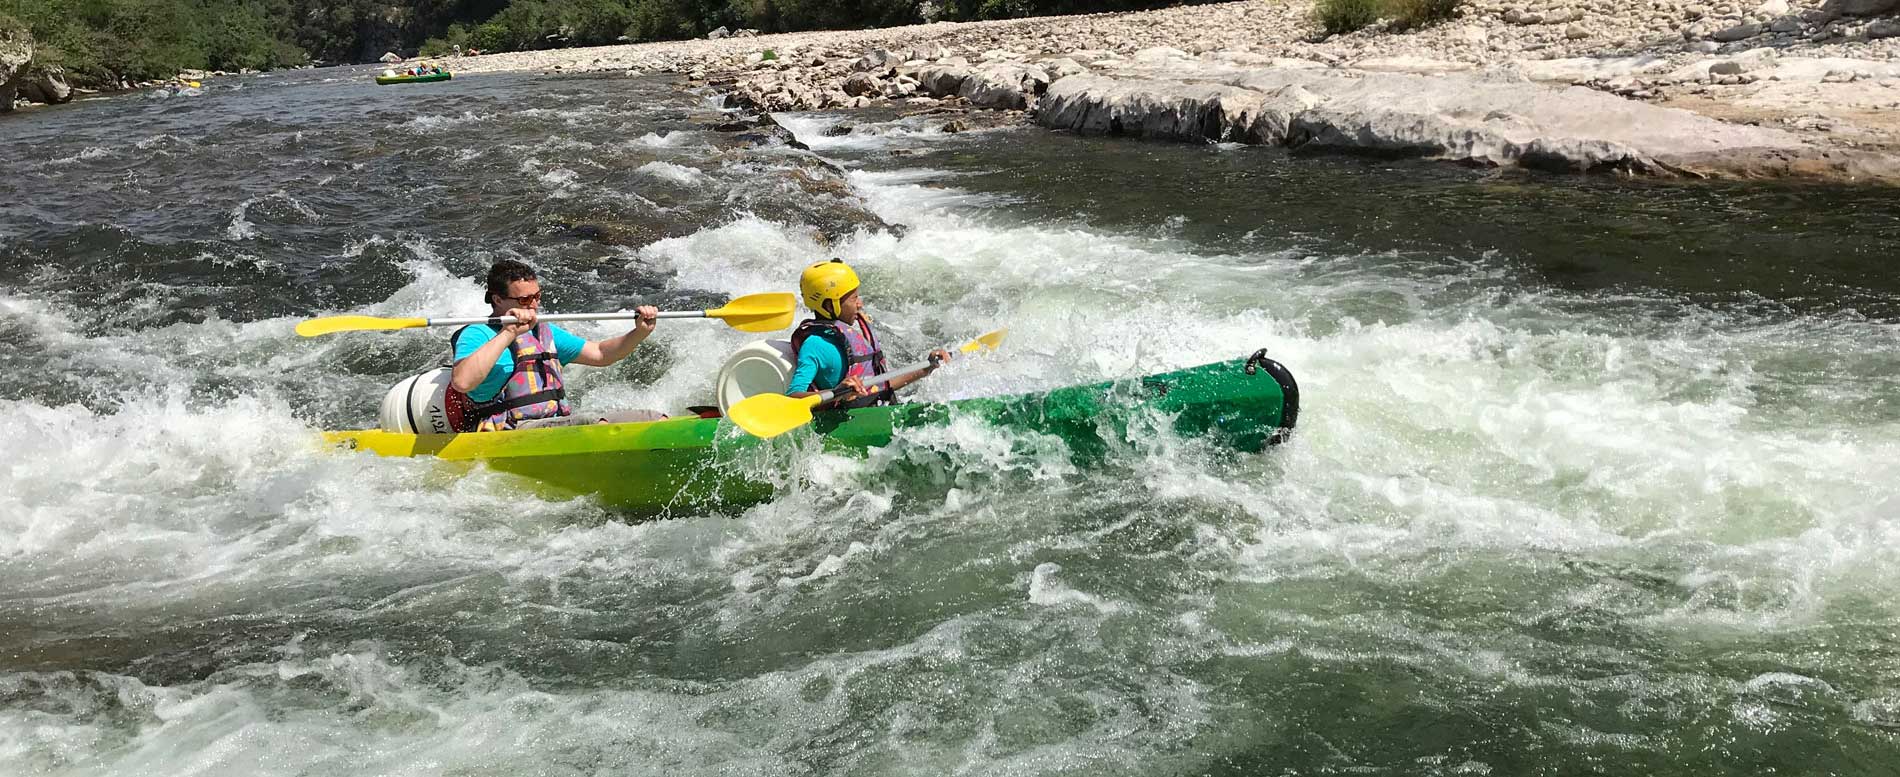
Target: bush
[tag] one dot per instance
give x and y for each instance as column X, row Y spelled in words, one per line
column 436, row 47
column 457, row 35
column 1412, row 14
column 491, row 36
column 676, row 19
column 1337, row 17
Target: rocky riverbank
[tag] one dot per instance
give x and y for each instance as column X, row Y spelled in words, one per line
column 1795, row 89
column 1801, row 88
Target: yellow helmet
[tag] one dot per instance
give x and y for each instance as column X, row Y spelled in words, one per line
column 823, row 285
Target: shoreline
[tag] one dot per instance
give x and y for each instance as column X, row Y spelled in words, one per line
column 1779, row 90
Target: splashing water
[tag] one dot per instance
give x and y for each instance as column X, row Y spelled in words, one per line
column 1576, row 489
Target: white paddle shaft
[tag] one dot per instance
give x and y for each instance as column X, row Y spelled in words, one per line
column 501, row 320
column 880, row 378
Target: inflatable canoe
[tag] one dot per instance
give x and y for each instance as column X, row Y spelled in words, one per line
column 442, row 76
column 707, row 464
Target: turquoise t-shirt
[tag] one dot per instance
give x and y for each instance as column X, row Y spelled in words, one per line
column 567, row 347
column 820, row 365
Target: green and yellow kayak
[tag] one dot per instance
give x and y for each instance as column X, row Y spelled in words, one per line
column 442, row 76
column 707, row 464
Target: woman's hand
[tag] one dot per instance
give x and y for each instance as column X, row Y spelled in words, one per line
column 851, row 388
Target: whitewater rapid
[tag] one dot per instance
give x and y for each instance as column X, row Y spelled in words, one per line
column 1522, row 528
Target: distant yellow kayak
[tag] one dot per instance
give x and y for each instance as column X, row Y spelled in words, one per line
column 398, row 79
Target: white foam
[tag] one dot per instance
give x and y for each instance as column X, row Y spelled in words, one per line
column 667, row 171
column 240, row 226
column 88, row 154
column 435, row 122
column 1047, row 591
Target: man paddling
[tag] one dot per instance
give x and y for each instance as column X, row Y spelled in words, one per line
column 836, row 347
column 525, row 390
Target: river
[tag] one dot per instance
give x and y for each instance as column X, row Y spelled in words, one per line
column 1593, row 476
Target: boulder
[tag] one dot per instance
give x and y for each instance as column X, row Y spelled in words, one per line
column 927, row 53
column 995, row 86
column 717, row 34
column 877, row 61
column 16, row 50
column 860, row 83
column 1005, row 85
column 1062, row 68
column 942, row 80
column 389, row 57
column 1838, row 8
column 45, row 85
column 1737, row 32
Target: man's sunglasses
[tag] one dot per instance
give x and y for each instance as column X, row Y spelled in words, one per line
column 531, row 299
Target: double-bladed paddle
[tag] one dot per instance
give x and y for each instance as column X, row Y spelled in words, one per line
column 750, row 313
column 770, row 415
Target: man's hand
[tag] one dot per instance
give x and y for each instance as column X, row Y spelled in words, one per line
column 649, row 318
column 524, row 321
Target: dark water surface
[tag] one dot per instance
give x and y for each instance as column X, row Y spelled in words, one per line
column 1594, row 476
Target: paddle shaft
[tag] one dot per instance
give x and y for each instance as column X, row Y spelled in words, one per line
column 883, row 377
column 501, row 320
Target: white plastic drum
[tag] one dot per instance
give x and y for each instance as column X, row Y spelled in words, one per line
column 419, row 404
column 761, row 367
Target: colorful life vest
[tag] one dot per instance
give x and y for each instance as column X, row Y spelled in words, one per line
column 862, row 356
column 534, row 389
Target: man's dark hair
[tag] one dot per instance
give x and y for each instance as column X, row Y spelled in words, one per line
column 503, row 273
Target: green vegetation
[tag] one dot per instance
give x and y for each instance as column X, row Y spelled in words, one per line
column 1411, row 14
column 101, row 42
column 1343, row 16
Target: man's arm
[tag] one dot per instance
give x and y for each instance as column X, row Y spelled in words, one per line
column 471, row 370
column 601, row 353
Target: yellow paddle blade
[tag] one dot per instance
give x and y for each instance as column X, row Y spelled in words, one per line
column 988, row 342
column 771, row 323
column 758, row 312
column 334, row 324
column 770, row 415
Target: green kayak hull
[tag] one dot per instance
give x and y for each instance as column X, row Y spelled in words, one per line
column 690, row 465
column 414, row 79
